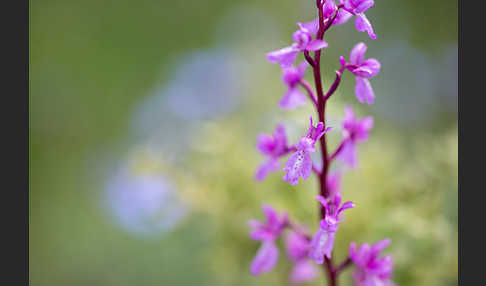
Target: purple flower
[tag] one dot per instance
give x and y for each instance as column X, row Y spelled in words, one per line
column 298, row 250
column 299, row 164
column 323, row 241
column 291, row 76
column 358, row 7
column 267, row 232
column 354, row 131
column 302, row 41
column 371, row 270
column 362, row 69
column 272, row 228
column 273, row 148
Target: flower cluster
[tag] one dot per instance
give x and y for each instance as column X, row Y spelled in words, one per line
column 371, row 269
column 304, row 251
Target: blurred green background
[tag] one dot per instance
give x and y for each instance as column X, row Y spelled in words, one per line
column 143, row 124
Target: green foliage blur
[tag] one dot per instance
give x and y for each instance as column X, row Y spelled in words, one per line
column 93, row 62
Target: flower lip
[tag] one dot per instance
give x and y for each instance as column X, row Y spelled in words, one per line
column 302, row 38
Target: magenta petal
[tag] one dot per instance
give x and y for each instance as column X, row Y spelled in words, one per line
column 315, row 45
column 271, row 216
column 312, row 27
column 295, row 165
column 364, row 6
column 265, row 144
column 367, row 123
column 364, row 91
column 349, row 5
column 261, row 234
column 345, row 206
column 322, row 200
column 265, row 259
column 301, row 69
column 363, row 25
column 303, row 271
column 342, row 17
column 362, row 72
column 357, row 54
column 285, row 56
column 333, row 182
column 348, row 114
column 380, row 245
column 348, row 154
column 352, row 249
column 292, row 98
column 297, row 246
column 372, row 65
column 271, row 165
column 292, row 176
column 329, row 8
column 321, row 245
column 306, row 169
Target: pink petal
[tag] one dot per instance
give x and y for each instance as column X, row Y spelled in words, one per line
column 364, row 5
column 312, row 27
column 364, row 91
column 369, row 68
column 301, row 68
column 265, row 144
column 303, row 271
column 348, row 114
column 271, row 165
column 285, row 56
column 321, row 245
column 357, row 54
column 342, row 17
column 306, row 169
column 329, row 8
column 346, row 205
column 271, row 215
column 315, row 45
column 380, row 245
column 293, row 167
column 297, row 246
column 348, row 154
column 280, row 137
column 363, row 25
column 292, row 99
column 322, row 200
column 265, row 259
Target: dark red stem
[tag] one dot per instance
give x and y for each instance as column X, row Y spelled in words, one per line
column 321, row 108
column 343, row 265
